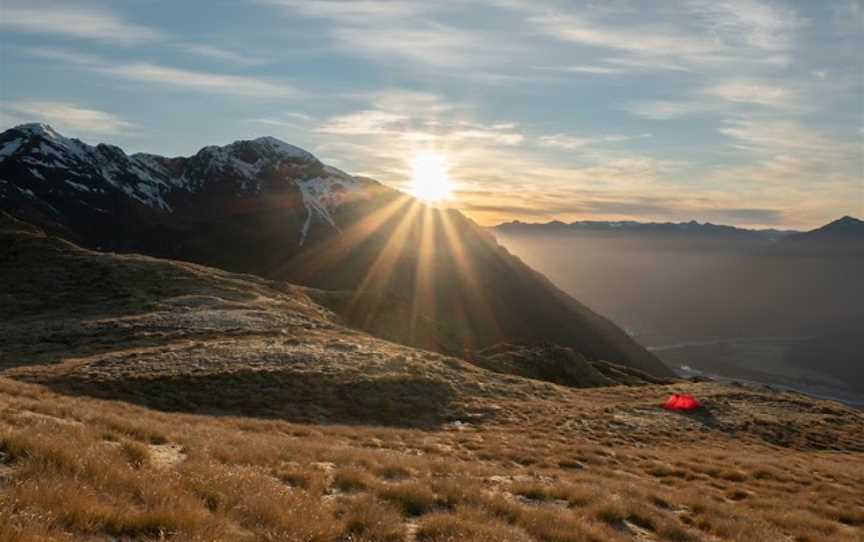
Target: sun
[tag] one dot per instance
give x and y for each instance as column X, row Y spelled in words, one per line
column 430, row 178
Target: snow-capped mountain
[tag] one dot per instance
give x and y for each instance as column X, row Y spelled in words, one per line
column 270, row 209
column 42, row 170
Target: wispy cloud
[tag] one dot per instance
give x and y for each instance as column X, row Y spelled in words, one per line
column 75, row 22
column 753, row 91
column 714, row 34
column 399, row 100
column 284, row 120
column 583, row 68
column 190, row 80
column 427, row 44
column 415, row 129
column 668, row 109
column 725, row 97
column 105, row 26
column 792, row 162
column 651, row 41
column 67, row 56
column 749, row 23
column 217, row 53
column 354, row 11
column 67, row 117
column 201, row 81
column 780, row 136
column 367, row 122
column 570, row 142
column 408, row 31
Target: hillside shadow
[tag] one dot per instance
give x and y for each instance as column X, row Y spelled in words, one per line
column 295, row 397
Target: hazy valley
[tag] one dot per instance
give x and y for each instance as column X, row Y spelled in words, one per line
column 770, row 306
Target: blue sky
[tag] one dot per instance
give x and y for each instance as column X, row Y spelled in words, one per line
column 731, row 111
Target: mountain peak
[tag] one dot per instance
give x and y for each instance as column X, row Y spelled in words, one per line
column 252, row 150
column 846, row 232
column 283, row 148
column 40, row 129
column 850, row 220
column 844, row 224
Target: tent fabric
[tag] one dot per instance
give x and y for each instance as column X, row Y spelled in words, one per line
column 681, row 401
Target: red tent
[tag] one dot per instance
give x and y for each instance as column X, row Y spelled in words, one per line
column 681, row 401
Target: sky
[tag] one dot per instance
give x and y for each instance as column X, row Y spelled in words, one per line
column 742, row 112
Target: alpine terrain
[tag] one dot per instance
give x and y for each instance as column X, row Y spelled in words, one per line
column 390, row 265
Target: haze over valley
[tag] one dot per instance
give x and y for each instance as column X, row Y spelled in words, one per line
column 766, row 305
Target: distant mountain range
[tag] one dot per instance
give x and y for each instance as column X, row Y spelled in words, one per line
column 386, row 263
column 682, row 229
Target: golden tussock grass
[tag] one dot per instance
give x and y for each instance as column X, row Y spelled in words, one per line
column 74, row 468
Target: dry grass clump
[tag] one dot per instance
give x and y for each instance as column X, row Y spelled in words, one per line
column 573, row 495
column 554, row 525
column 413, row 498
column 309, row 479
column 467, row 525
column 352, row 479
column 392, row 471
column 368, row 519
column 136, row 453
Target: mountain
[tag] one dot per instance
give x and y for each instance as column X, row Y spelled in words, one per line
column 151, row 399
column 690, row 229
column 386, row 263
column 101, row 196
column 844, row 235
column 843, row 228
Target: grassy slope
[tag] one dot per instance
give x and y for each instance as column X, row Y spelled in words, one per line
column 198, row 404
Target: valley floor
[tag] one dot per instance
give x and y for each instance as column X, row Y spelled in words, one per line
column 735, row 359
column 577, row 465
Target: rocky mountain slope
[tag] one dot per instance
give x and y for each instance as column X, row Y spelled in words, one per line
column 409, row 273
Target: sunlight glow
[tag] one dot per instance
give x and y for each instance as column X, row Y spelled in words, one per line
column 430, row 179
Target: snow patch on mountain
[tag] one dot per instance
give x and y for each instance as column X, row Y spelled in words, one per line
column 9, row 148
column 321, row 194
column 284, row 149
column 79, row 186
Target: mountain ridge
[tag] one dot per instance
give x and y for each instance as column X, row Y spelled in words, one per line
column 413, row 274
column 690, row 227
